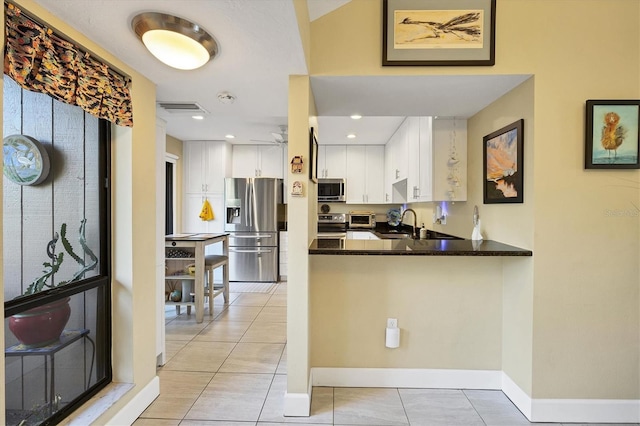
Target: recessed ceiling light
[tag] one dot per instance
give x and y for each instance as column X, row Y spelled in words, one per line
column 229, row 136
column 356, row 117
column 351, row 136
column 197, row 117
column 179, row 43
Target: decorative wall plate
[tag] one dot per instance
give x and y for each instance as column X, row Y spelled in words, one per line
column 26, row 161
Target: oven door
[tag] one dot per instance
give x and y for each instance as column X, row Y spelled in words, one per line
column 332, row 239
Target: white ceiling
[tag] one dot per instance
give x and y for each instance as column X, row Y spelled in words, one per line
column 259, row 47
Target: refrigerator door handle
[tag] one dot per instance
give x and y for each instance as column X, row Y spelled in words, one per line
column 250, row 250
column 254, row 236
column 250, row 202
column 246, row 207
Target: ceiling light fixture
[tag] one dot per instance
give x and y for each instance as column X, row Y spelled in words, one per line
column 356, row 117
column 351, row 136
column 197, row 117
column 229, row 136
column 226, row 98
column 175, row 41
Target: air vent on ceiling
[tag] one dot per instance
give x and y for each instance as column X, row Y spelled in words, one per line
column 182, row 107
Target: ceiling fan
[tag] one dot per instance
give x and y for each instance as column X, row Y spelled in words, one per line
column 278, row 138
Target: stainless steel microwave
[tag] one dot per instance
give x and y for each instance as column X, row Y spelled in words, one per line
column 331, row 190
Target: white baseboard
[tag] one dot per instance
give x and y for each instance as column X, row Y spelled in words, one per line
column 572, row 410
column 298, row 404
column 516, row 395
column 407, row 378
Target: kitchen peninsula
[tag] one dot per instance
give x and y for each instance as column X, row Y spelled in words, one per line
column 411, row 247
column 446, row 294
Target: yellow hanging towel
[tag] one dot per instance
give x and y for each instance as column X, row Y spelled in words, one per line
column 207, row 212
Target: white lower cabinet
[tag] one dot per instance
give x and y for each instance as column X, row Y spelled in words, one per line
column 365, row 174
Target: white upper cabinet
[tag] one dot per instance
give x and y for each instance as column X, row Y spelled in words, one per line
column 420, row 178
column 206, row 164
column 365, row 175
column 332, row 161
column 397, row 152
column 257, row 161
column 438, row 160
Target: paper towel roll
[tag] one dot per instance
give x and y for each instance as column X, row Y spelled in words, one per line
column 393, row 337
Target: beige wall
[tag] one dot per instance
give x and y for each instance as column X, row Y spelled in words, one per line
column 174, row 146
column 449, row 311
column 571, row 317
column 133, row 229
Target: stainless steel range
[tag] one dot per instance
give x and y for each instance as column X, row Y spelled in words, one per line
column 332, row 223
column 332, row 229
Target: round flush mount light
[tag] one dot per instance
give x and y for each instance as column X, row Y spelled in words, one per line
column 356, row 116
column 351, row 136
column 174, row 41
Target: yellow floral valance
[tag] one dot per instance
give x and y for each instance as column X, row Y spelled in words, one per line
column 41, row 61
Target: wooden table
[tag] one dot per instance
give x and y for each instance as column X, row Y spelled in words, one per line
column 195, row 244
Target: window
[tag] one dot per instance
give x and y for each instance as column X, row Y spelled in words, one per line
column 56, row 259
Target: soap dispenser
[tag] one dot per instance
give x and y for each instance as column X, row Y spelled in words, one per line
column 423, row 232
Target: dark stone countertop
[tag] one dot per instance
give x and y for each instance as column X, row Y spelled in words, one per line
column 410, row 247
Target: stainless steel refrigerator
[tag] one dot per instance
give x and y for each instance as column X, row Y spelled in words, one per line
column 253, row 208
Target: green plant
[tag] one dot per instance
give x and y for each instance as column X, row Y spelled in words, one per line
column 51, row 267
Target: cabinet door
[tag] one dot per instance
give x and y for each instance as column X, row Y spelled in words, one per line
column 216, row 159
column 389, row 174
column 401, row 152
column 322, row 161
column 206, row 164
column 270, row 161
column 245, row 161
column 413, row 162
column 356, row 178
column 195, row 168
column 424, row 181
column 397, row 152
column 191, row 222
column 374, row 174
column 332, row 161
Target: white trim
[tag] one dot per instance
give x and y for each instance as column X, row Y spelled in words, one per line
column 173, row 159
column 407, row 378
column 98, row 404
column 519, row 397
column 130, row 412
column 298, row 404
column 586, row 410
column 572, row 410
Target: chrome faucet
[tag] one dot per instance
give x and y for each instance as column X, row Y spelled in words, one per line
column 415, row 222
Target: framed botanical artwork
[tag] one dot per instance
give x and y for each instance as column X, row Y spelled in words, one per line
column 313, row 156
column 438, row 32
column 611, row 134
column 503, row 161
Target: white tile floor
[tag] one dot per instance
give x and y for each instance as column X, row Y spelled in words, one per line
column 231, row 370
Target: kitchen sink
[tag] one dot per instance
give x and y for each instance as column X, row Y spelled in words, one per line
column 394, row 235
